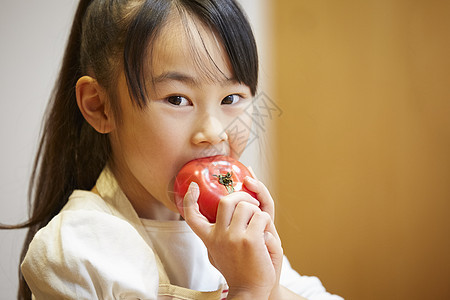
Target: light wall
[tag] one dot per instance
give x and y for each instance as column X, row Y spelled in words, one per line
column 364, row 144
column 260, row 150
column 33, row 36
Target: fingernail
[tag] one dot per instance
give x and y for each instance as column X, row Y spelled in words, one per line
column 251, row 180
column 193, row 192
column 251, row 171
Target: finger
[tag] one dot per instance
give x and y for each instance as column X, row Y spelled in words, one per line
column 252, row 172
column 227, row 205
column 198, row 222
column 272, row 242
column 274, row 248
column 259, row 223
column 271, row 228
column 262, row 194
column 242, row 215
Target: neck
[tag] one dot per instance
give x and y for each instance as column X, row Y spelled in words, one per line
column 144, row 203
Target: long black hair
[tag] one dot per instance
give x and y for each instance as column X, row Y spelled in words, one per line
column 109, row 36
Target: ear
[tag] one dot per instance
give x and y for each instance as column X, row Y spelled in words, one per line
column 92, row 101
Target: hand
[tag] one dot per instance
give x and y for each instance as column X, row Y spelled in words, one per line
column 262, row 194
column 267, row 205
column 243, row 243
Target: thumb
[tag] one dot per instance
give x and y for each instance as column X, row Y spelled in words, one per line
column 198, row 222
column 191, row 196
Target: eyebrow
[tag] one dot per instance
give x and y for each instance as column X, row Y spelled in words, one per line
column 187, row 79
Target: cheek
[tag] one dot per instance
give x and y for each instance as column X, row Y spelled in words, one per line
column 150, row 146
column 152, row 137
column 239, row 133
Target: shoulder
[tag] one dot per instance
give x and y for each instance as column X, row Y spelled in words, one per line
column 85, row 249
column 86, row 200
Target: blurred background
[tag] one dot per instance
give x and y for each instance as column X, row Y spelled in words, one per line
column 352, row 135
column 363, row 144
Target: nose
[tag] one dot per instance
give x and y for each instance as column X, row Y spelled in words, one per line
column 209, row 131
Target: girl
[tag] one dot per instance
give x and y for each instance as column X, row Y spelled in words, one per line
column 146, row 86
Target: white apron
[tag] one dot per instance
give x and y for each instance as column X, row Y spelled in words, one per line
column 111, row 193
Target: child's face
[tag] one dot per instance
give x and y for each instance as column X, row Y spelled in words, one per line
column 189, row 115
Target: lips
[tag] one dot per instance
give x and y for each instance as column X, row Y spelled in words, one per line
column 210, row 152
column 209, row 156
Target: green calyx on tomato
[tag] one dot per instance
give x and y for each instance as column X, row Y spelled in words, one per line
column 216, row 177
column 226, row 181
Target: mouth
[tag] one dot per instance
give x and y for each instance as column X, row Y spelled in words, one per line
column 209, row 155
column 211, row 152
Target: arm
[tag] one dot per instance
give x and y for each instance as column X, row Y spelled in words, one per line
column 282, row 292
column 309, row 287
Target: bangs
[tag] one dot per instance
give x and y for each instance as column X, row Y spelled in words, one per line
column 225, row 20
column 197, row 36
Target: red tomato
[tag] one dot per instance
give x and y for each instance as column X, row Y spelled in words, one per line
column 216, row 176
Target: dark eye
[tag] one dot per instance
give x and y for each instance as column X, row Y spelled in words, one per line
column 231, row 99
column 178, row 101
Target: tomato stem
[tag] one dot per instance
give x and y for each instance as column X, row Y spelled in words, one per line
column 226, row 181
